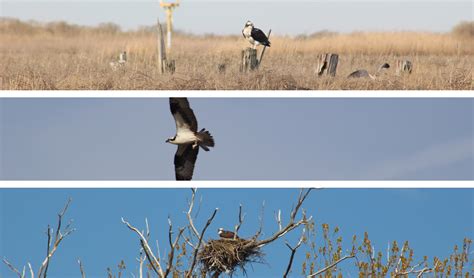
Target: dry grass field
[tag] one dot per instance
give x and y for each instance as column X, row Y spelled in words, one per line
column 62, row 56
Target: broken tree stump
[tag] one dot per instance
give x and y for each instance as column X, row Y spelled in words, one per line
column 403, row 66
column 327, row 64
column 249, row 60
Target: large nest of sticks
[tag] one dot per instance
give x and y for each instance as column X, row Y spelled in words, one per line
column 228, row 255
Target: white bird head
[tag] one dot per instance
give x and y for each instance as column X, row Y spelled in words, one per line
column 220, row 231
column 249, row 23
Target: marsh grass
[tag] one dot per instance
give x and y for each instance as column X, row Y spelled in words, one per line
column 62, row 56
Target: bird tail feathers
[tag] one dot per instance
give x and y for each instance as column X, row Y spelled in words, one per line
column 205, row 139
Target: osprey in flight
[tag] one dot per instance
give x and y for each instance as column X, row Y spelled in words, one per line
column 187, row 138
column 254, row 35
column 227, row 234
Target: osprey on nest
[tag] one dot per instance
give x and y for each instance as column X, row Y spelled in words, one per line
column 187, row 138
column 254, row 35
column 227, row 234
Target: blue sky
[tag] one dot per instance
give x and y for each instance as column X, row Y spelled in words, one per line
column 433, row 220
column 256, row 139
column 228, row 17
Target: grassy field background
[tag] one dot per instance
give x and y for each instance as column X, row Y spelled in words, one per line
column 58, row 55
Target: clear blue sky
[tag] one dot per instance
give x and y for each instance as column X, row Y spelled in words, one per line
column 433, row 220
column 228, row 17
column 256, row 139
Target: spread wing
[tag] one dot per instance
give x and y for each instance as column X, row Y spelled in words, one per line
column 184, row 161
column 259, row 35
column 183, row 114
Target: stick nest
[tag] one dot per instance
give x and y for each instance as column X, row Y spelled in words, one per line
column 228, row 255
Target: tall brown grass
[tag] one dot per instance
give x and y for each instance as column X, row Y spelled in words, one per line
column 64, row 56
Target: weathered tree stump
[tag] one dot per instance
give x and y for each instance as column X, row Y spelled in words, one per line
column 403, row 66
column 327, row 64
column 164, row 65
column 249, row 60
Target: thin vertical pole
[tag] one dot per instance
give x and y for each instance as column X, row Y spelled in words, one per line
column 169, row 19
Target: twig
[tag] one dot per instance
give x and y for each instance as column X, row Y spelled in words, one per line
column 260, row 219
column 169, row 266
column 140, row 270
column 190, row 210
column 209, row 221
column 293, row 251
column 155, row 264
column 12, row 268
column 263, row 51
column 57, row 240
column 241, row 220
column 330, row 266
column 291, row 224
column 32, row 274
column 278, row 219
column 81, row 267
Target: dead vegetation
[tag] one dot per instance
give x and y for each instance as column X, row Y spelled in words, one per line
column 61, row 56
column 229, row 255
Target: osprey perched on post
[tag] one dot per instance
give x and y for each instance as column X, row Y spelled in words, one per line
column 187, row 138
column 227, row 234
column 254, row 35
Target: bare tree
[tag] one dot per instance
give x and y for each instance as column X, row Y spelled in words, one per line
column 154, row 261
column 54, row 239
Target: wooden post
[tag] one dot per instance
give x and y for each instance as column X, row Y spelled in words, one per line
column 403, row 66
column 327, row 64
column 249, row 60
column 164, row 65
column 161, row 48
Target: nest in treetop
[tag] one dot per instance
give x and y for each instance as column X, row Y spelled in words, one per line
column 227, row 255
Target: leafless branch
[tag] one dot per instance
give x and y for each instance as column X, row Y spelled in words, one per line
column 278, row 219
column 189, row 242
column 241, row 220
column 155, row 264
column 141, row 260
column 169, row 266
column 32, row 273
column 188, row 214
column 12, row 268
column 293, row 251
column 58, row 237
column 196, row 250
column 330, row 266
column 292, row 224
column 81, row 268
column 419, row 272
column 260, row 219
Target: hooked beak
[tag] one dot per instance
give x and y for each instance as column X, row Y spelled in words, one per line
column 167, row 141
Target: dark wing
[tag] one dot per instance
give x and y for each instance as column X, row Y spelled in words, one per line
column 184, row 161
column 183, row 114
column 259, row 36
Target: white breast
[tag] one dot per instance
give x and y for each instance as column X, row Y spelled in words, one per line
column 184, row 136
column 247, row 31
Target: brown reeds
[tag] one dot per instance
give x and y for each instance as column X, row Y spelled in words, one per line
column 64, row 56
